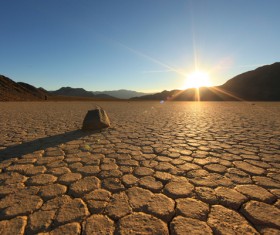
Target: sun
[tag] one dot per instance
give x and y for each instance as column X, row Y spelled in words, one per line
column 197, row 79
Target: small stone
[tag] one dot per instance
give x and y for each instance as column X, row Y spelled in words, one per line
column 118, row 206
column 181, row 225
column 69, row 229
column 74, row 210
column 96, row 119
column 226, row 221
column 192, row 208
column 255, row 192
column 140, row 223
column 13, row 226
column 98, row 224
column 138, row 197
column 230, row 197
column 83, row 186
column 161, row 206
column 260, row 213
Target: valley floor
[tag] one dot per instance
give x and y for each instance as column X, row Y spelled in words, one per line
column 161, row 168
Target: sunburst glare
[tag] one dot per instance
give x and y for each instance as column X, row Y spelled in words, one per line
column 197, row 79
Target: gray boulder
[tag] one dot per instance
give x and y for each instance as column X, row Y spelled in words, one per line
column 96, row 119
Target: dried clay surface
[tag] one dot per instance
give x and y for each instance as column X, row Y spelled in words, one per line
column 161, row 168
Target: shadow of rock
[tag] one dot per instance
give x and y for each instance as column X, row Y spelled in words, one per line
column 42, row 143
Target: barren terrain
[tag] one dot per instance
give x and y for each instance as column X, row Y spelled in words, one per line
column 171, row 168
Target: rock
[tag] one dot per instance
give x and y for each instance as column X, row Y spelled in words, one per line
column 182, row 225
column 96, row 119
column 140, row 223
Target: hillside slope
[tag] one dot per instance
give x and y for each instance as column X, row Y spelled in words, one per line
column 12, row 91
column 261, row 84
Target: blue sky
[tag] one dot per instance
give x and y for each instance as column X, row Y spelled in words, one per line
column 143, row 45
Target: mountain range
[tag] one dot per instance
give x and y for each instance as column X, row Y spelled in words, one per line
column 80, row 92
column 261, row 84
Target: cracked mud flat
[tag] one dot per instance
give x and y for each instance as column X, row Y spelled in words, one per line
column 172, row 168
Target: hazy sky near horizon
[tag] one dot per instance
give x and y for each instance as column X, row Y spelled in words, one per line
column 143, row 45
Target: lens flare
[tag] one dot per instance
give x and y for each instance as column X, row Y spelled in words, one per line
column 197, row 79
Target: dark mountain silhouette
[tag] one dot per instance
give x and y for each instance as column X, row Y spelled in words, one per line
column 12, row 91
column 122, row 94
column 79, row 92
column 261, row 84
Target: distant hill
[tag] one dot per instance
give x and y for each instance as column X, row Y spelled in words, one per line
column 79, row 92
column 261, row 84
column 122, row 94
column 13, row 91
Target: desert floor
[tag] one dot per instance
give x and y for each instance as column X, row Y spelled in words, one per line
column 171, row 168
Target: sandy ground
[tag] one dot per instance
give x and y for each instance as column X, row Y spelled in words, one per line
column 171, row 168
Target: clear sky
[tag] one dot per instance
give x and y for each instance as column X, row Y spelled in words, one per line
column 143, row 45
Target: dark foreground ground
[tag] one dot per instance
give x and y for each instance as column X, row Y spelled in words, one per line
column 171, row 168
